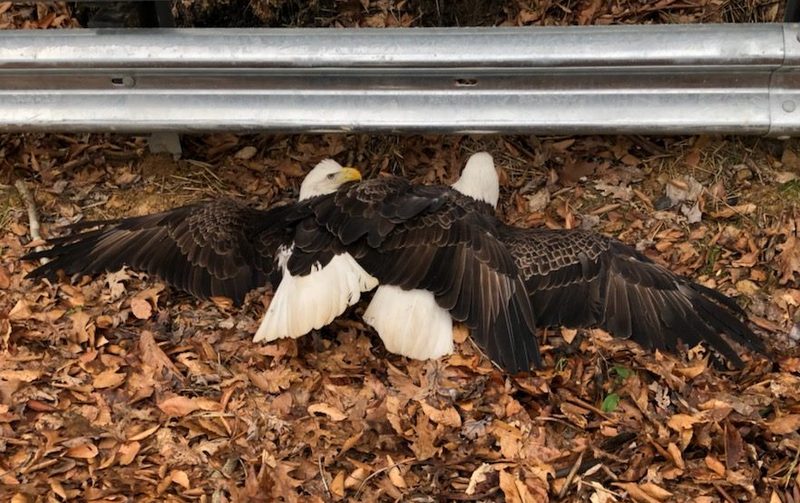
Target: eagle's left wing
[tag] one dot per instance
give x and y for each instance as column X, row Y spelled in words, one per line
column 214, row 248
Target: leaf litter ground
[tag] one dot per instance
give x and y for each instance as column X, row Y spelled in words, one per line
column 118, row 387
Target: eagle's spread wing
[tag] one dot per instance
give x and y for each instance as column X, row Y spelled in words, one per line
column 216, row 248
column 581, row 279
column 435, row 239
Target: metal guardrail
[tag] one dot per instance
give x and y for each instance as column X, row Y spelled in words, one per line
column 663, row 79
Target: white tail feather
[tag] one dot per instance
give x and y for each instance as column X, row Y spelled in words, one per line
column 305, row 303
column 410, row 322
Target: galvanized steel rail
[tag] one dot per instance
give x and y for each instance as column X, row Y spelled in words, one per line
column 663, row 79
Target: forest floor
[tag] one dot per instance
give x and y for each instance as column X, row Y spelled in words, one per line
column 117, row 387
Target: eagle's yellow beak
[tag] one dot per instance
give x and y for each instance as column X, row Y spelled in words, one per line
column 349, row 175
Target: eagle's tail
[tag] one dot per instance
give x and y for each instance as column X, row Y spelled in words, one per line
column 306, row 302
column 410, row 322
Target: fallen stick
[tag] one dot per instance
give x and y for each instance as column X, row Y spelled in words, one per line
column 33, row 215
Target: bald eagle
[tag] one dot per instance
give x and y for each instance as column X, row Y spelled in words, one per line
column 434, row 241
column 313, row 297
column 438, row 254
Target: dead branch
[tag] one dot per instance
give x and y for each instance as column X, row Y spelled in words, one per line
column 33, row 214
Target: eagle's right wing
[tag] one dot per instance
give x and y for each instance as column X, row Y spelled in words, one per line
column 579, row 279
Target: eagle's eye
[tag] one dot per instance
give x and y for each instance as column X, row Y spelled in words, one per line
column 331, row 176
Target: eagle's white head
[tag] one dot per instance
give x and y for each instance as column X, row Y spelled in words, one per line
column 325, row 178
column 479, row 179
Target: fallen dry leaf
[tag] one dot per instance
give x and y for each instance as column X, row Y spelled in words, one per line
column 143, row 434
column 108, row 379
column 82, row 326
column 20, row 375
column 246, row 153
column 180, row 405
column 330, row 411
column 478, row 476
column 460, row 333
column 337, row 485
column 676, row 455
column 181, row 478
column 83, row 451
column 394, row 474
column 568, row 334
column 57, row 488
column 680, row 422
column 154, row 355
column 355, row 478
column 636, row 493
column 448, row 416
column 715, row 465
column 656, row 491
column 128, row 452
column 514, row 489
column 785, row 425
column 789, row 259
column 141, row 308
column 20, row 311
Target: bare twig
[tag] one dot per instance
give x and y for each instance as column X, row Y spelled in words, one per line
column 322, row 475
column 378, row 472
column 474, row 497
column 586, row 405
column 571, row 475
column 30, row 205
column 727, row 497
column 33, row 215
